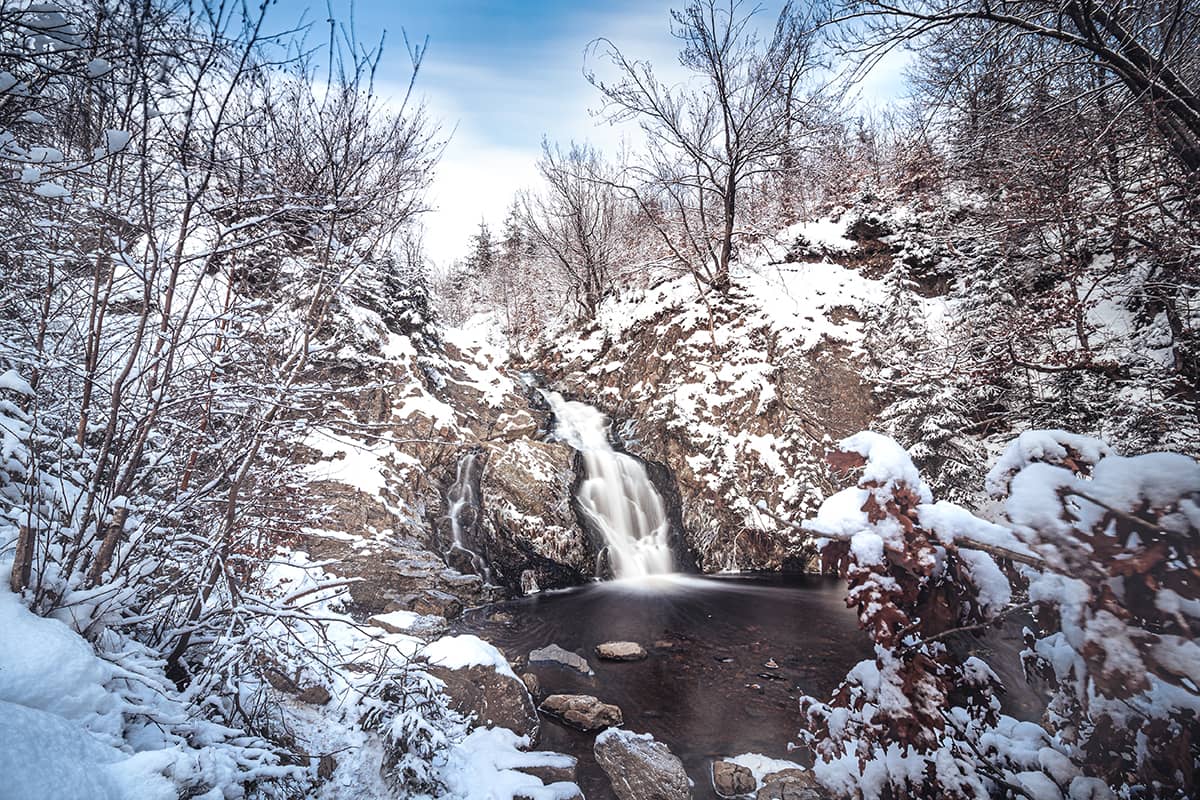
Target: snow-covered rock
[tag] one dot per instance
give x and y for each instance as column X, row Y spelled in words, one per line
column 641, row 768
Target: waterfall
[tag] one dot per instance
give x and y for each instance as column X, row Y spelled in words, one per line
column 462, row 507
column 616, row 494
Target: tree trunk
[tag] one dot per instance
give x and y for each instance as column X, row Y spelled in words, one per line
column 721, row 279
column 22, row 566
column 112, row 535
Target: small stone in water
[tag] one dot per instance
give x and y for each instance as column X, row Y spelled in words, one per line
column 722, row 659
column 771, row 664
column 558, row 655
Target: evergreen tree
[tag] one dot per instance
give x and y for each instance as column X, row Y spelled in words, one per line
column 481, row 263
column 923, row 408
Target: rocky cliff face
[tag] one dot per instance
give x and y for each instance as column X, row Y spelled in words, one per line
column 730, row 403
column 736, row 399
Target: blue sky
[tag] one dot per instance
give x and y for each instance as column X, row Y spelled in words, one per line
column 501, row 75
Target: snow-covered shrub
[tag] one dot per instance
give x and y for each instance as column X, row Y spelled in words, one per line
column 409, row 710
column 893, row 727
column 1109, row 547
column 1117, row 605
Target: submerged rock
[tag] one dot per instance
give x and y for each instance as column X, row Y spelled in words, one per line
column 641, row 768
column 582, row 711
column 621, row 651
column 554, row 653
column 732, row 780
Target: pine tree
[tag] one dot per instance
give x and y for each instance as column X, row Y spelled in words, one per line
column 923, row 409
column 481, row 263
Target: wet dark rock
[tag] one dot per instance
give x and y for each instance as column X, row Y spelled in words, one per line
column 462, row 560
column 732, row 780
column 582, row 711
column 555, row 654
column 640, row 768
column 491, row 697
column 620, row 651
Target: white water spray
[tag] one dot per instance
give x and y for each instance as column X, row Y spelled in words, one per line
column 617, row 494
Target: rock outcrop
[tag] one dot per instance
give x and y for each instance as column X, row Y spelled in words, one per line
column 640, row 768
column 528, row 525
column 790, row 784
column 734, row 399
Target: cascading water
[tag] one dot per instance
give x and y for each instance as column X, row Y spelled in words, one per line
column 617, row 494
column 462, row 507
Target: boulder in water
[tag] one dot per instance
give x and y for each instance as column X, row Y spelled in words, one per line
column 558, row 655
column 582, row 711
column 790, row 784
column 732, row 780
column 621, row 651
column 641, row 768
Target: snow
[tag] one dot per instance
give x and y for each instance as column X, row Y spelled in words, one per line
column 97, row 67
column 484, row 767
column 949, row 522
column 352, row 461
column 74, row 725
column 620, row 733
column 46, row 666
column 115, row 141
column 888, row 464
column 1042, row 445
column 460, row 652
column 46, row 757
column 13, row 382
column 51, row 190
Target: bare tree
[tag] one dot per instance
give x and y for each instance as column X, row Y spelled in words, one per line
column 1151, row 49
column 709, row 141
column 575, row 223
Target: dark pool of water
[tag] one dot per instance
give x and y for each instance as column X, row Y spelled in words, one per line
column 705, row 690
